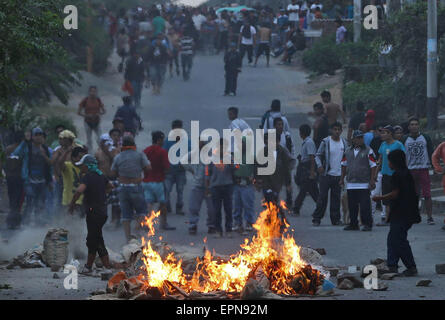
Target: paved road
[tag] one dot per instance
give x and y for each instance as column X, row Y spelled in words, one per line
column 201, row 99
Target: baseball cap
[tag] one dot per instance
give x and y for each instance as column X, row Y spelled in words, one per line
column 86, row 159
column 358, row 134
column 389, row 128
column 37, row 131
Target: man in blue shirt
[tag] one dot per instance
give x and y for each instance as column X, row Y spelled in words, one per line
column 389, row 144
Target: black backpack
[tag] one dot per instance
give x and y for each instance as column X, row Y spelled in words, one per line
column 246, row 32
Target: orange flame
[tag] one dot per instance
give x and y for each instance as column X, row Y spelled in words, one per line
column 270, row 249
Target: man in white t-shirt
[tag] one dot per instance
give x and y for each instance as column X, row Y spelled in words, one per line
column 293, row 11
column 328, row 160
column 247, row 41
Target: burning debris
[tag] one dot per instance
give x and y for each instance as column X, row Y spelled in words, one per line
column 269, row 265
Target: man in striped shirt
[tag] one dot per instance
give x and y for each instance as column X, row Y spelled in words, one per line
column 187, row 49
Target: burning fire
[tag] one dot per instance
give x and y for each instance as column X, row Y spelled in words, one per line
column 270, row 252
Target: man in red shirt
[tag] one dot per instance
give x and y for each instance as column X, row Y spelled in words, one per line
column 153, row 183
column 91, row 108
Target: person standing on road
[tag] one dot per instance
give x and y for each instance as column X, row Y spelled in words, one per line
column 135, row 74
column 403, row 213
column 199, row 193
column 321, row 124
column 328, row 159
column 187, row 49
column 358, row 166
column 265, row 34
column 293, row 9
column 388, row 145
column 232, row 67
column 439, row 154
column 93, row 186
column 175, row 175
column 91, row 108
column 158, row 59
column 419, row 149
column 153, row 183
column 128, row 167
column 36, row 174
column 247, row 41
column 219, row 179
column 306, row 177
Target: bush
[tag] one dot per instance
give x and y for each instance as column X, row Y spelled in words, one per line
column 377, row 95
column 326, row 57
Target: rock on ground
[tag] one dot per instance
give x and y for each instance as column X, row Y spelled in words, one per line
column 423, row 283
column 345, row 284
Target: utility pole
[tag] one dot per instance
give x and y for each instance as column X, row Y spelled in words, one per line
column 357, row 20
column 431, row 91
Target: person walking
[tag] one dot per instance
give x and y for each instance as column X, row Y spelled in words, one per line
column 321, row 124
column 265, row 35
column 247, row 41
column 91, row 109
column 157, row 58
column 93, row 186
column 403, row 213
column 135, row 74
column 128, row 114
column 419, row 149
column 306, row 176
column 328, row 159
column 153, row 183
column 332, row 110
column 358, row 166
column 232, row 67
column 128, row 167
column 187, row 49
column 388, row 145
column 274, row 112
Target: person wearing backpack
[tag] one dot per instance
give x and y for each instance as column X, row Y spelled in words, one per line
column 270, row 115
column 247, row 41
column 91, row 108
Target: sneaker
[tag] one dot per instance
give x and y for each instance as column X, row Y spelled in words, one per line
column 410, row 272
column 316, row 223
column 193, row 230
column 237, row 228
column 430, row 221
column 351, row 228
column 367, row 228
column 337, row 223
column 86, row 270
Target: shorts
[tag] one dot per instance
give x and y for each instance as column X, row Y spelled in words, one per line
column 263, row 48
column 386, row 188
column 422, row 180
column 154, row 192
column 131, row 200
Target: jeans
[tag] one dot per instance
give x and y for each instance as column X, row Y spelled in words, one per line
column 398, row 245
column 249, row 49
column 231, row 81
column 96, row 219
column 360, row 198
column 35, row 201
column 131, row 199
column 308, row 186
column 328, row 183
column 222, row 195
column 244, row 200
column 197, row 196
column 137, row 88
column 15, row 193
column 158, row 74
column 89, row 133
column 178, row 178
column 187, row 64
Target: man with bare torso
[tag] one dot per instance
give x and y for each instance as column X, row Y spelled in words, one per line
column 332, row 110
